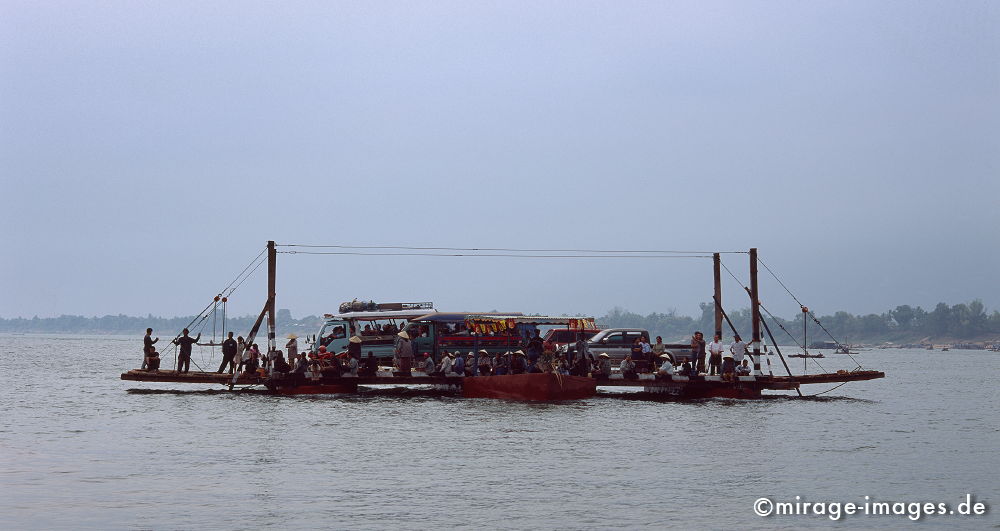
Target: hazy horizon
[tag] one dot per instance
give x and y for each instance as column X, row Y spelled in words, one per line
column 149, row 151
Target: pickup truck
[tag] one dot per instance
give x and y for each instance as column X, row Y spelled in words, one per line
column 564, row 336
column 617, row 342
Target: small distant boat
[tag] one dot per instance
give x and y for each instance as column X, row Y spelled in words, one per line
column 807, row 355
column 944, row 349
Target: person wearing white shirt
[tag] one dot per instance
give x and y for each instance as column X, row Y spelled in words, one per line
column 667, row 367
column 445, row 366
column 744, row 369
column 739, row 349
column 715, row 349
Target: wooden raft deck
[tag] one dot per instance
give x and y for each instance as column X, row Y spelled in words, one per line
column 745, row 387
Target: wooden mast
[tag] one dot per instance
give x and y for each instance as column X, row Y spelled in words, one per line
column 272, row 257
column 717, row 270
column 755, row 309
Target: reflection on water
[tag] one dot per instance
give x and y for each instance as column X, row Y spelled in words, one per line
column 80, row 448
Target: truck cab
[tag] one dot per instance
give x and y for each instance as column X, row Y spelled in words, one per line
column 617, row 343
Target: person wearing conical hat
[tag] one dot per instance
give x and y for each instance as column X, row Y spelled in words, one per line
column 354, row 347
column 517, row 363
column 667, row 367
column 485, row 363
column 404, row 353
column 292, row 347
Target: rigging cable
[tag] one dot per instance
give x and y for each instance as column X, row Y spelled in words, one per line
column 771, row 315
column 498, row 255
column 500, row 249
column 810, row 312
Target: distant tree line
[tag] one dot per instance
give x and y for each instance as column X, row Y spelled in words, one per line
column 969, row 321
column 162, row 326
column 904, row 323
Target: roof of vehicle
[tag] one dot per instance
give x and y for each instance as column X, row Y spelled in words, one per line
column 448, row 317
column 586, row 322
column 392, row 314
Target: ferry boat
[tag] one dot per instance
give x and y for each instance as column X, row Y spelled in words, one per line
column 436, row 331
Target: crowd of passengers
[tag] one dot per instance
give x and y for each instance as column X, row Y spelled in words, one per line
column 533, row 356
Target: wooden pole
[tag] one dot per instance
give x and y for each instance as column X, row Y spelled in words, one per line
column 717, row 270
column 272, row 258
column 755, row 310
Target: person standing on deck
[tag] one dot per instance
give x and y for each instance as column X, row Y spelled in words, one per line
column 636, row 350
column 698, row 352
column 241, row 350
column 658, row 350
column 292, row 347
column 739, row 349
column 228, row 354
column 715, row 349
column 534, row 348
column 581, row 349
column 184, row 356
column 147, row 342
column 404, row 351
column 647, row 355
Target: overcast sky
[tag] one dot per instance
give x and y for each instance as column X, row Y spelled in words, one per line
column 150, row 149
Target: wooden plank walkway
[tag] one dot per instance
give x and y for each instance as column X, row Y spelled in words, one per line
column 760, row 382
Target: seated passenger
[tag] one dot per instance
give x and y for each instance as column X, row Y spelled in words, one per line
column 501, row 364
column 371, row 365
column 301, row 364
column 485, row 365
column 444, row 367
column 470, row 361
column 279, row 364
column 517, row 364
column 458, row 366
column 428, row 365
column 561, row 366
column 602, row 368
column 350, row 366
column 627, row 368
column 666, row 368
column 152, row 360
column 744, row 369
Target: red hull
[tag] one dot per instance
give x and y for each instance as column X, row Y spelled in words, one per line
column 538, row 386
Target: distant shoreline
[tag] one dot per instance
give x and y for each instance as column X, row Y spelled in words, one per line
column 960, row 324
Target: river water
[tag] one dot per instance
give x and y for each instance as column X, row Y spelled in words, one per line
column 81, row 449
